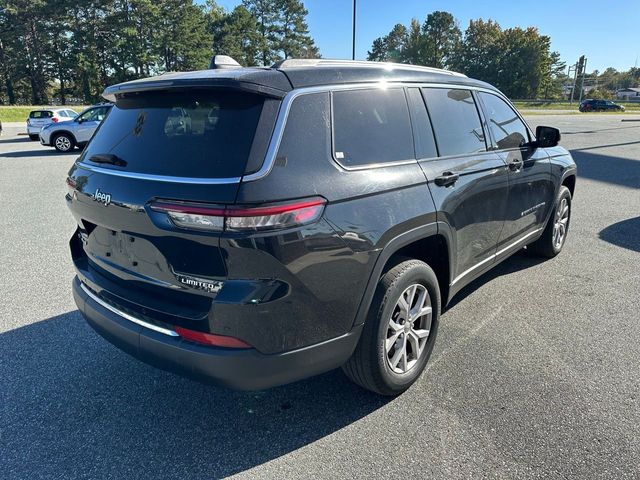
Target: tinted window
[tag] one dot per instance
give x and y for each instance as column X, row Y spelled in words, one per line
column 425, row 143
column 198, row 133
column 371, row 126
column 507, row 129
column 94, row 115
column 307, row 129
column 41, row 114
column 455, row 121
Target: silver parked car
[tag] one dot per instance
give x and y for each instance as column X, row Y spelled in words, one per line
column 45, row 116
column 74, row 133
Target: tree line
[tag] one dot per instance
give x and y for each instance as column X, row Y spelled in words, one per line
column 519, row 61
column 61, row 50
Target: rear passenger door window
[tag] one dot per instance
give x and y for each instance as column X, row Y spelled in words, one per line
column 507, row 130
column 371, row 126
column 456, row 121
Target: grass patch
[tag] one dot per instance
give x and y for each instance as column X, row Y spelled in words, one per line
column 629, row 107
column 19, row 113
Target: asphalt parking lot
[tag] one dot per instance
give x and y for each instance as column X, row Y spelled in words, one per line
column 536, row 371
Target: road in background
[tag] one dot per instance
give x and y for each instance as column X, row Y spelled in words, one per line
column 536, row 371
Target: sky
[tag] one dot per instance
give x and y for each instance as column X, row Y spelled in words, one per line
column 608, row 33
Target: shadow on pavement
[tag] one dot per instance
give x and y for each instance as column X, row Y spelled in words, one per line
column 38, row 153
column 625, row 234
column 518, row 261
column 24, row 139
column 74, row 406
column 606, row 168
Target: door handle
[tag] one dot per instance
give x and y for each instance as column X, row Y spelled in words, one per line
column 446, row 179
column 515, row 164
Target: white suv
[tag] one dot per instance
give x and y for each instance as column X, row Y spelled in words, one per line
column 74, row 133
column 39, row 118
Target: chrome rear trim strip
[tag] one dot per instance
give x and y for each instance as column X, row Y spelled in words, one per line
column 160, row 178
column 126, row 316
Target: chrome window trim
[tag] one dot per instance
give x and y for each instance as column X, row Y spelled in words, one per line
column 159, row 178
column 495, row 255
column 283, row 114
column 276, row 138
column 126, row 316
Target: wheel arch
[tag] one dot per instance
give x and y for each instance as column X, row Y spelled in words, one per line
column 427, row 243
column 55, row 134
column 569, row 181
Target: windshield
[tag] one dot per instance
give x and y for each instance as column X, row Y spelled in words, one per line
column 197, row 133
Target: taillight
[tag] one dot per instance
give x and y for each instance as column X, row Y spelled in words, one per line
column 55, row 119
column 210, row 339
column 240, row 218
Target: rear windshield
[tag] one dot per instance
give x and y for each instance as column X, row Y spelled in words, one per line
column 204, row 133
column 41, row 114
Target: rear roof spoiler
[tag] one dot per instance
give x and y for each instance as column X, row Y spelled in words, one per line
column 112, row 93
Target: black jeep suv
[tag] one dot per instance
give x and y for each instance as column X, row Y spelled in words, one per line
column 256, row 226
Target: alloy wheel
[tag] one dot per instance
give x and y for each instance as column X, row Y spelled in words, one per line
column 408, row 328
column 561, row 223
column 63, row 143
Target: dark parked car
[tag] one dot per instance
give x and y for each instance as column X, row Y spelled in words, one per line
column 303, row 217
column 599, row 106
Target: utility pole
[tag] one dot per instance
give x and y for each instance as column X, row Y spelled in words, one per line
column 582, row 63
column 353, row 39
column 578, row 72
column 573, row 87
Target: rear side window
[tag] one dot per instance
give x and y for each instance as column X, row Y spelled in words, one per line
column 196, row 133
column 371, row 126
column 507, row 130
column 41, row 114
column 455, row 121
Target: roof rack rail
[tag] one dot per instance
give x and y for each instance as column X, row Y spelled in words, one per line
column 322, row 62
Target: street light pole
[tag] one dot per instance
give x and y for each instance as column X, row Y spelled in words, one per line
column 353, row 39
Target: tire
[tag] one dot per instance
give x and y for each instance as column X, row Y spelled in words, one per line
column 63, row 142
column 34, row 137
column 551, row 242
column 371, row 365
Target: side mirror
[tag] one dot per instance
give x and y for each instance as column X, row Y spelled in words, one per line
column 547, row 137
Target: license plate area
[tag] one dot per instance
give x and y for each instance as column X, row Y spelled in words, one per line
column 127, row 255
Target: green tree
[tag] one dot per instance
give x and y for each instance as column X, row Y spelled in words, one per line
column 268, row 14
column 184, row 40
column 293, row 33
column 72, row 49
column 413, row 49
column 480, row 51
column 378, row 52
column 389, row 47
column 525, row 64
column 236, row 35
column 441, row 39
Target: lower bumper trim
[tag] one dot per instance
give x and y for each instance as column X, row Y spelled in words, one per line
column 240, row 369
column 125, row 315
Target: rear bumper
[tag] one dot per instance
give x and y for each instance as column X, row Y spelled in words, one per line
column 237, row 369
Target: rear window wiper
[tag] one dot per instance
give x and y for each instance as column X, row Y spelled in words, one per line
column 108, row 158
